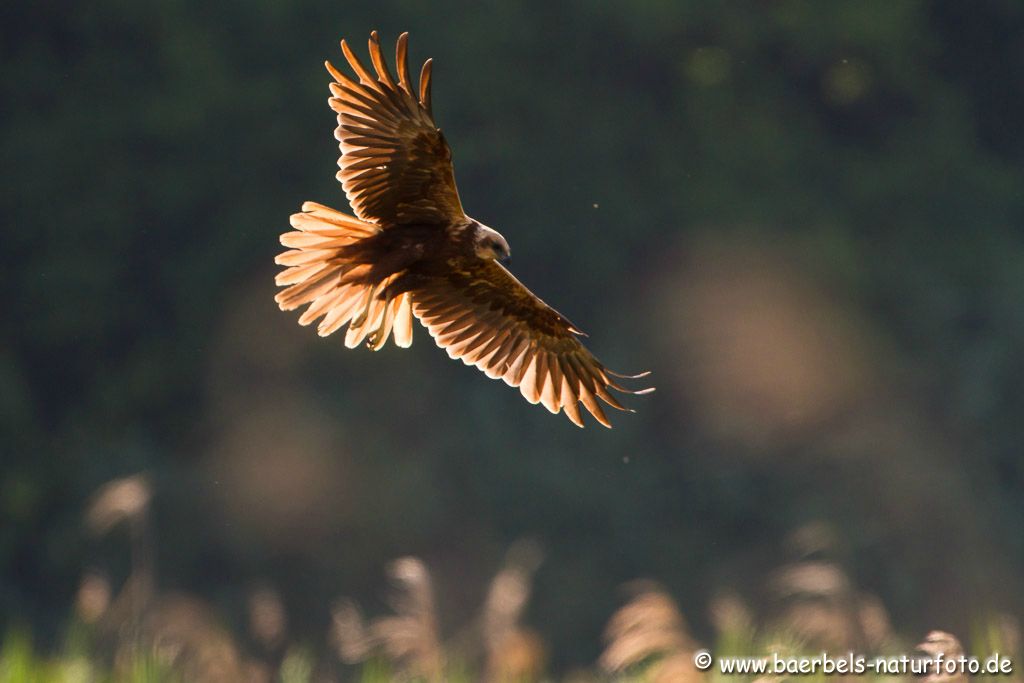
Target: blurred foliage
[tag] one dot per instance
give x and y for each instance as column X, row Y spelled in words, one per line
column 805, row 218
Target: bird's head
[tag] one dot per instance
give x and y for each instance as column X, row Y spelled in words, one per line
column 489, row 244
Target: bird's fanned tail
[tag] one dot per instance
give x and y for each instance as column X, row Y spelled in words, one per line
column 318, row 274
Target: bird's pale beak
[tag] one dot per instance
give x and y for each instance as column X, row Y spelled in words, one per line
column 507, row 261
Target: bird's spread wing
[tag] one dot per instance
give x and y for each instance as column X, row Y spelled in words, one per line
column 396, row 166
column 483, row 315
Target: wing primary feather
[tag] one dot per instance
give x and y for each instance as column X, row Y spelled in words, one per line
column 499, row 360
column 519, row 348
column 528, row 382
column 582, row 374
column 458, row 339
column 452, row 325
column 335, row 74
column 570, row 405
column 378, row 60
column 546, row 383
column 570, row 379
column 365, row 77
column 637, row 376
column 591, row 404
column 474, row 349
column 540, row 374
column 571, row 383
column 603, row 394
column 425, row 86
column 606, row 376
column 522, row 364
column 362, row 111
column 555, row 381
column 402, row 62
column 487, row 354
column 352, row 90
column 633, row 392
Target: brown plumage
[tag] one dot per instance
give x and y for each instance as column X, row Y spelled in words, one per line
column 412, row 251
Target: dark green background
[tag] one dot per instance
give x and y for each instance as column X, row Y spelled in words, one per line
column 805, row 218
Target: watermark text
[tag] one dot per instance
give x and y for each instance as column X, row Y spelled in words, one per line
column 855, row 664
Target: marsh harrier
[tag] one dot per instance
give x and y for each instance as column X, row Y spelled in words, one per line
column 411, row 251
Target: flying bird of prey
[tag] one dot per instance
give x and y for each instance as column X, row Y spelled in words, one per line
column 411, row 251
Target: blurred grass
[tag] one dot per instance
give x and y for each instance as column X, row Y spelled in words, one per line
column 139, row 631
column 21, row 662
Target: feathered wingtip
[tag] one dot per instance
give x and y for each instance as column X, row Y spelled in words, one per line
column 383, row 76
column 587, row 398
column 634, row 392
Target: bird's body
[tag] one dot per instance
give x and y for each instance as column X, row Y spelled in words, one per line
column 413, row 252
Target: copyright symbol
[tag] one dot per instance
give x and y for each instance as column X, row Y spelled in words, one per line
column 702, row 660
